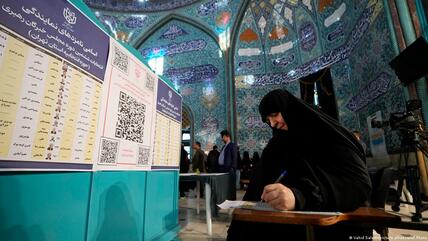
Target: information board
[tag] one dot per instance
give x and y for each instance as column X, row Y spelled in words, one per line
column 126, row 128
column 168, row 127
column 50, row 85
column 73, row 98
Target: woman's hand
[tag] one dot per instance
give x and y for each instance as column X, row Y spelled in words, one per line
column 279, row 197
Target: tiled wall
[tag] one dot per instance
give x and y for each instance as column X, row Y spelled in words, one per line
column 276, row 43
column 279, row 43
column 375, row 87
column 192, row 60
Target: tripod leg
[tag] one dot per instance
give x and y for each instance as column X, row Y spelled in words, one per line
column 421, row 151
column 413, row 184
column 406, row 193
column 396, row 206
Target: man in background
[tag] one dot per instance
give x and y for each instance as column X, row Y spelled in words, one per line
column 184, row 160
column 228, row 160
column 198, row 160
column 212, row 160
column 184, row 168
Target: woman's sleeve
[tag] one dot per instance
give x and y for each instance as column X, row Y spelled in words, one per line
column 255, row 187
column 349, row 181
column 336, row 181
column 308, row 195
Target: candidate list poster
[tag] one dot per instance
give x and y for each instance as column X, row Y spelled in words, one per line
column 168, row 128
column 126, row 127
column 50, row 85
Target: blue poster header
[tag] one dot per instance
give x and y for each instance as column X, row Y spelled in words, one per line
column 168, row 101
column 61, row 28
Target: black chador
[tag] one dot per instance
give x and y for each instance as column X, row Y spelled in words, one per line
column 325, row 167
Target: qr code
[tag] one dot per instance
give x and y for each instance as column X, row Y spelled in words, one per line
column 150, row 84
column 121, row 60
column 109, row 150
column 130, row 119
column 143, row 156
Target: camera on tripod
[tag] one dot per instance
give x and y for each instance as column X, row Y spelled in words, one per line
column 407, row 121
column 411, row 131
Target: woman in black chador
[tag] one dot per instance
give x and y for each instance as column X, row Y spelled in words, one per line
column 325, row 168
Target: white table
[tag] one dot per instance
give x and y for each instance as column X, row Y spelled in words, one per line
column 204, row 177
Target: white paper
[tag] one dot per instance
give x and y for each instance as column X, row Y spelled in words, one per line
column 262, row 206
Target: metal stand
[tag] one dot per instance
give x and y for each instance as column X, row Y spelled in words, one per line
column 410, row 142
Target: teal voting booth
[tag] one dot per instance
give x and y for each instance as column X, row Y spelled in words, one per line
column 77, row 202
column 89, row 206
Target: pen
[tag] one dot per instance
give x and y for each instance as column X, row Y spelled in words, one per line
column 283, row 174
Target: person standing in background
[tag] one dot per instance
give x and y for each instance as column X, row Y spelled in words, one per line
column 246, row 166
column 212, row 160
column 184, row 160
column 198, row 160
column 255, row 160
column 184, row 168
column 228, row 160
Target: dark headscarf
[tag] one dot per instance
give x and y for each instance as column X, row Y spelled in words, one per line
column 306, row 124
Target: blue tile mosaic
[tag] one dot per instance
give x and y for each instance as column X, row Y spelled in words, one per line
column 135, row 22
column 346, row 43
column 284, row 61
column 254, row 121
column 373, row 79
column 377, row 87
column 199, row 76
column 193, row 74
column 151, row 18
column 173, row 32
column 249, row 65
column 208, row 8
column 125, row 26
column 336, row 33
column 308, row 36
column 343, row 90
column 174, row 48
column 139, row 6
column 249, row 37
column 325, row 60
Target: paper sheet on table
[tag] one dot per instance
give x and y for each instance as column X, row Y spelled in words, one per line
column 262, row 206
column 247, row 205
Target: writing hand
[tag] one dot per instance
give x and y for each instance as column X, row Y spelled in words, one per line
column 279, row 197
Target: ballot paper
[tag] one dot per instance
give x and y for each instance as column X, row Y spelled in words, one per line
column 247, row 205
column 263, row 206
